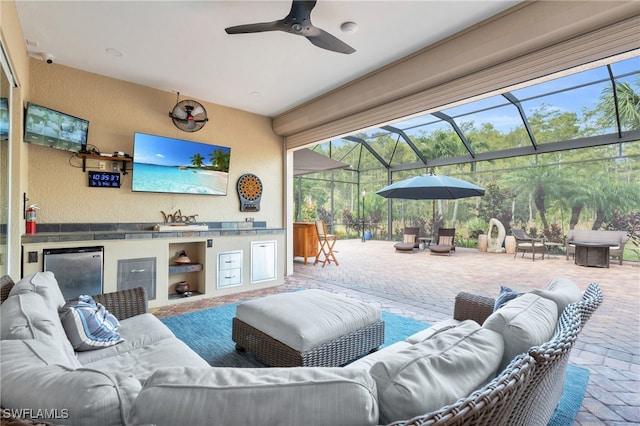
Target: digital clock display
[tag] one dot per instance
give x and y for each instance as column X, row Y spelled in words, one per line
column 104, row 179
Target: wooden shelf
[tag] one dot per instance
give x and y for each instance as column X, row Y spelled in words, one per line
column 182, row 296
column 85, row 156
column 188, row 267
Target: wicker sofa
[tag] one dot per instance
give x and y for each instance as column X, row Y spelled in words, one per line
column 618, row 238
column 525, row 392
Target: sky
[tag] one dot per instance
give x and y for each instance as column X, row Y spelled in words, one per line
column 165, row 151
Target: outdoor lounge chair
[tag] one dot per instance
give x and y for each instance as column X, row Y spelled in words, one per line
column 446, row 241
column 527, row 244
column 409, row 240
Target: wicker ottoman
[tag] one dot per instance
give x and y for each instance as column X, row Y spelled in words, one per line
column 308, row 328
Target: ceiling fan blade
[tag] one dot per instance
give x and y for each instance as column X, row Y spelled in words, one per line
column 256, row 28
column 323, row 39
column 297, row 22
column 197, row 111
column 191, row 124
column 178, row 112
column 300, row 11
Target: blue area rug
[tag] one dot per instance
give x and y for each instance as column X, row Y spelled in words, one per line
column 208, row 333
column 575, row 385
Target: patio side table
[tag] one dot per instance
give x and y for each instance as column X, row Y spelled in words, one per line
column 425, row 241
column 550, row 245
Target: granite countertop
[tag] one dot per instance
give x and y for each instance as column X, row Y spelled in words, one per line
column 101, row 231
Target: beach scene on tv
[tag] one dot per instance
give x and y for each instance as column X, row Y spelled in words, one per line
column 162, row 164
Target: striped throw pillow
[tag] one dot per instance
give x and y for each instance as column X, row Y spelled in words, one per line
column 89, row 325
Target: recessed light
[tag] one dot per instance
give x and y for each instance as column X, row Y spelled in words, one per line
column 349, row 27
column 113, row 52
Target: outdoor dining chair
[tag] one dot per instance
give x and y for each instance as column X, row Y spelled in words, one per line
column 326, row 243
column 527, row 244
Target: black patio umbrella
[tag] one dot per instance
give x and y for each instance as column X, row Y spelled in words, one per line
column 431, row 187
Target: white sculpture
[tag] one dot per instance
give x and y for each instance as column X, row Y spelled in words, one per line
column 496, row 236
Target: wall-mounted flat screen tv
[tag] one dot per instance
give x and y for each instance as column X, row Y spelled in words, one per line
column 4, row 119
column 47, row 127
column 163, row 164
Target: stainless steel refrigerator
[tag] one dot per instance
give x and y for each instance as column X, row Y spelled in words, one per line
column 78, row 270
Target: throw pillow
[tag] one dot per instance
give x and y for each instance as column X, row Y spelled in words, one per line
column 89, row 325
column 445, row 241
column 409, row 238
column 505, row 295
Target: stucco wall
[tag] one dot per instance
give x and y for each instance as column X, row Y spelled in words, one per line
column 116, row 109
column 16, row 51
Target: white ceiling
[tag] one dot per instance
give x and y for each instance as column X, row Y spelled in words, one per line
column 182, row 46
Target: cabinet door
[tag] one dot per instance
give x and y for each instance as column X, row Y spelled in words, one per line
column 263, row 261
column 134, row 273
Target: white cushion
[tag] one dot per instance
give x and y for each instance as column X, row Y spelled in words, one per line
column 130, row 331
column 257, row 396
column 43, row 283
column 26, row 316
column 526, row 321
column 562, row 291
column 437, row 371
column 305, row 319
column 429, row 332
column 387, row 352
column 77, row 396
column 32, row 352
column 143, row 361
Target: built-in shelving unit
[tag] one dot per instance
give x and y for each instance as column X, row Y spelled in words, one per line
column 193, row 272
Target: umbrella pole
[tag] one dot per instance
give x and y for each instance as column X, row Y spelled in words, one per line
column 433, row 218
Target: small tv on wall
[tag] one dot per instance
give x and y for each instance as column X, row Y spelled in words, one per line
column 4, row 119
column 164, row 164
column 47, row 127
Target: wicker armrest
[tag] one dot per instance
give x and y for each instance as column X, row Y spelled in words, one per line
column 125, row 303
column 6, row 284
column 472, row 306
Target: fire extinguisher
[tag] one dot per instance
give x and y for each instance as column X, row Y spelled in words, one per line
column 31, row 219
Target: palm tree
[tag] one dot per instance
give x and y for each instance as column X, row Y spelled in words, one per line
column 628, row 107
column 608, row 194
column 220, row 160
column 197, row 160
column 540, row 183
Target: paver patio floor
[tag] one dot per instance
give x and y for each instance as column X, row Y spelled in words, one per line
column 423, row 287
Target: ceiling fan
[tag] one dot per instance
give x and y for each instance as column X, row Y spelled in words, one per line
column 297, row 22
column 189, row 115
